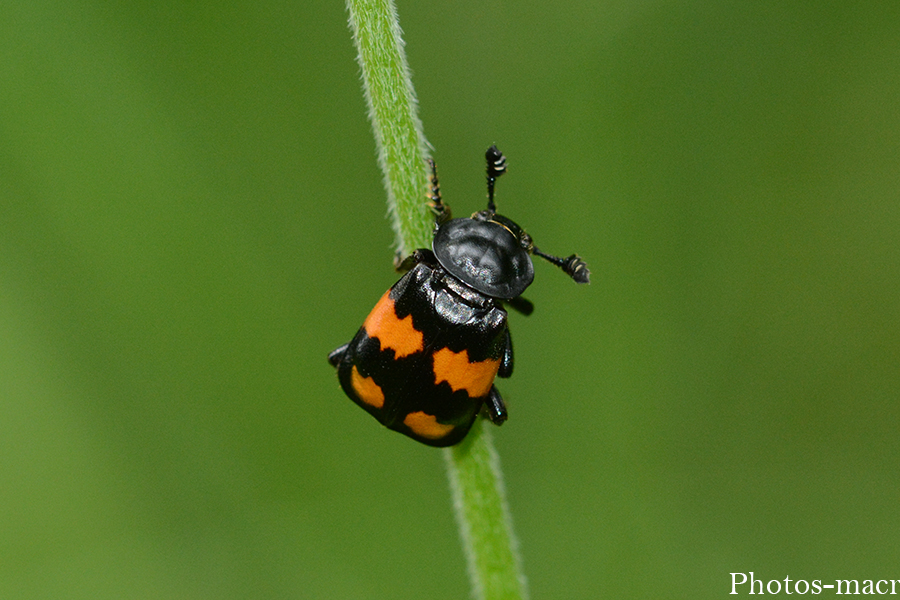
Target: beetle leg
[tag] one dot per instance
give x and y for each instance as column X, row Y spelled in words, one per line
column 496, row 409
column 337, row 355
column 421, row 255
column 400, row 262
column 506, row 361
column 520, row 305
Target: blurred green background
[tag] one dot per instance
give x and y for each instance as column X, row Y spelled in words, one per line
column 191, row 218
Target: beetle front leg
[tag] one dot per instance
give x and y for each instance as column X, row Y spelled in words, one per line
column 422, row 255
column 496, row 409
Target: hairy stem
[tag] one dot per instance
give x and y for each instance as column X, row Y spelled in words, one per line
column 479, row 497
column 393, row 110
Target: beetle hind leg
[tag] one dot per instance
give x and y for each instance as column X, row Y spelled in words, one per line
column 496, row 409
column 506, row 360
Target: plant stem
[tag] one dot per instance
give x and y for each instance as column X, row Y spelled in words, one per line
column 395, row 121
column 473, row 466
column 492, row 551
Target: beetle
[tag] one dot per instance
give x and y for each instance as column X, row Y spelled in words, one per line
column 424, row 361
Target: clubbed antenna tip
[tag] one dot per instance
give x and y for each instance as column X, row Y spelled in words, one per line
column 577, row 269
column 496, row 166
column 572, row 266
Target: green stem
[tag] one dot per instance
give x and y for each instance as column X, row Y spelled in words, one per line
column 479, row 497
column 473, row 466
column 395, row 121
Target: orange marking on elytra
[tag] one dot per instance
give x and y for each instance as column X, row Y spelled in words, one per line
column 366, row 388
column 396, row 334
column 454, row 368
column 426, row 425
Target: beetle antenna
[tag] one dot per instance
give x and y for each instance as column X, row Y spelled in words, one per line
column 440, row 210
column 572, row 266
column 496, row 166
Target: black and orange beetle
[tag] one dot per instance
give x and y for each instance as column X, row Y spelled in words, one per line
column 424, row 361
